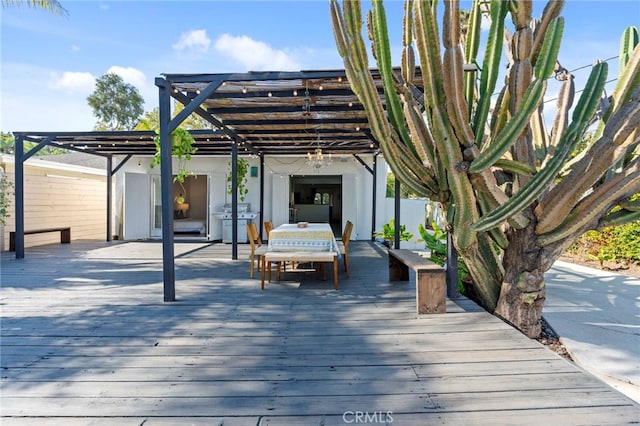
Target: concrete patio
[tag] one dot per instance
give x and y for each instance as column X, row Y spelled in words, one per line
column 86, row 339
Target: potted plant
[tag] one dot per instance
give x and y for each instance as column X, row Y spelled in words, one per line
column 241, row 181
column 388, row 233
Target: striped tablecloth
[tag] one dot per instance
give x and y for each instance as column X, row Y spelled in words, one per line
column 313, row 237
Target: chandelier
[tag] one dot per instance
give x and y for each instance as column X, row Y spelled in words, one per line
column 315, row 159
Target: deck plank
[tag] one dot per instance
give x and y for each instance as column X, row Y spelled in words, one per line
column 93, row 343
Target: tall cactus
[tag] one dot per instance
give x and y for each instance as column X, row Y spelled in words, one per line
column 518, row 195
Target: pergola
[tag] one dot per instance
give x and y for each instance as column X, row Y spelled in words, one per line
column 254, row 113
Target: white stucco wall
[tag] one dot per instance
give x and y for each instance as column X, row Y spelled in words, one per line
column 275, row 166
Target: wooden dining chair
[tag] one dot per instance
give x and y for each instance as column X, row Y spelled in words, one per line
column 343, row 245
column 257, row 249
column 268, row 226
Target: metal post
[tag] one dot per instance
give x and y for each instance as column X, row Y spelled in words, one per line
column 19, row 196
column 261, row 196
column 374, row 200
column 234, row 200
column 166, row 184
column 452, row 269
column 396, row 234
column 109, row 195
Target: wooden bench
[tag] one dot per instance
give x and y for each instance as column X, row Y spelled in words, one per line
column 300, row 257
column 431, row 286
column 65, row 235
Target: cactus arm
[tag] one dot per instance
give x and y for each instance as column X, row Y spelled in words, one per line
column 347, row 32
column 539, row 134
column 515, row 167
column 550, row 48
column 628, row 42
column 493, row 196
column 628, row 80
column 564, row 103
column 596, row 203
column 471, row 51
column 620, row 133
column 537, row 185
column 426, row 30
column 381, row 45
column 421, row 137
column 551, row 11
column 632, row 206
column 457, row 109
column 408, row 55
column 490, row 67
column 500, row 114
column 532, row 97
column 620, row 218
column 530, row 101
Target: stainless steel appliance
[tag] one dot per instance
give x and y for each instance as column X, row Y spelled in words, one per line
column 245, row 216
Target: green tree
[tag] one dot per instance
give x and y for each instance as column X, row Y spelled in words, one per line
column 7, row 143
column 151, row 120
column 6, row 192
column 515, row 197
column 405, row 192
column 52, row 6
column 116, row 104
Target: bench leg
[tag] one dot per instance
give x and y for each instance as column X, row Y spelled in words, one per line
column 431, row 290
column 335, row 272
column 65, row 236
column 398, row 271
column 263, row 268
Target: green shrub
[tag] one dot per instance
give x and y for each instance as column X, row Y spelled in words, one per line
column 436, row 242
column 620, row 244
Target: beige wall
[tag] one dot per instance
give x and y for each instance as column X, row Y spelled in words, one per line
column 59, row 195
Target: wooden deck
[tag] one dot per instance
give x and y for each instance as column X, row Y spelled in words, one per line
column 86, row 339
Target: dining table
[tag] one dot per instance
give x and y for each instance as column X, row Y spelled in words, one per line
column 301, row 242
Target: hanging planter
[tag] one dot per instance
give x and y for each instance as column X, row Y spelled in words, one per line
column 241, row 181
column 182, row 148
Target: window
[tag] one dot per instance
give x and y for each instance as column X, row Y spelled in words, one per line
column 322, row 198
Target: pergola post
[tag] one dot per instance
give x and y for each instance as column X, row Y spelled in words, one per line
column 166, row 183
column 374, row 198
column 396, row 232
column 109, row 195
column 261, row 196
column 234, row 200
column 19, row 195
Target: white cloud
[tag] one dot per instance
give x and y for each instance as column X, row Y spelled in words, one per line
column 195, row 42
column 72, row 82
column 129, row 75
column 75, row 48
column 255, row 55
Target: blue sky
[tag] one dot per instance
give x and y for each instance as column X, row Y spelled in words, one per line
column 49, row 63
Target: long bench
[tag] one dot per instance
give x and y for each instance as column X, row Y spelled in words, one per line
column 65, row 235
column 300, row 257
column 431, row 286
